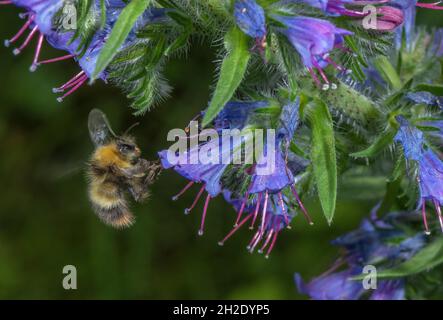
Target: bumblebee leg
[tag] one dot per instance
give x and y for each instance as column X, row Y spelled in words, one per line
column 138, row 190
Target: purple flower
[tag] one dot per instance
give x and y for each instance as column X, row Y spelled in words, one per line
column 313, row 39
column 334, row 7
column 331, row 286
column 275, row 216
column 250, row 18
column 430, row 167
column 271, row 192
column 271, row 195
column 431, row 183
column 189, row 165
column 409, row 9
column 411, row 139
column 424, row 97
column 371, row 243
column 40, row 16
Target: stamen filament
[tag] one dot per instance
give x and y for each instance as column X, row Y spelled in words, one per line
column 78, row 85
column 257, row 207
column 425, row 220
column 265, row 207
column 302, row 207
column 190, row 184
column 268, row 238
column 235, row 229
column 187, row 210
column 242, row 208
column 25, row 44
column 69, row 56
column 20, row 32
column 274, row 239
column 74, row 79
column 440, row 218
column 205, row 209
column 37, row 52
column 282, row 205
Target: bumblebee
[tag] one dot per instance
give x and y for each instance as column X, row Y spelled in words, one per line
column 115, row 170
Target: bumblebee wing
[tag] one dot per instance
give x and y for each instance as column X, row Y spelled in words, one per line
column 99, row 129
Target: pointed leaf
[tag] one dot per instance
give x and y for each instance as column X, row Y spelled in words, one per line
column 323, row 157
column 119, row 33
column 231, row 74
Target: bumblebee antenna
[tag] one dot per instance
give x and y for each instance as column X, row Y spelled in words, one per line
column 131, row 127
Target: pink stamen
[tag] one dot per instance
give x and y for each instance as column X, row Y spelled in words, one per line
column 190, row 184
column 37, row 52
column 320, row 70
column 440, row 218
column 425, row 220
column 302, row 207
column 69, row 56
column 242, row 208
column 199, row 194
column 20, row 32
column 205, row 209
column 73, row 80
column 268, row 238
column 72, row 84
column 335, row 65
column 257, row 207
column 434, row 6
column 314, row 76
column 260, row 233
column 75, row 88
column 274, row 239
column 265, row 207
column 25, row 44
column 249, row 246
column 282, row 205
column 235, row 229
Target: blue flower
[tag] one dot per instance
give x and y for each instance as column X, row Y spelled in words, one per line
column 430, row 167
column 270, row 178
column 189, row 165
column 409, row 9
column 271, row 192
column 250, row 18
column 313, row 39
column 40, row 16
column 411, row 139
column 275, row 216
column 333, row 7
column 424, row 97
column 370, row 244
column 430, row 181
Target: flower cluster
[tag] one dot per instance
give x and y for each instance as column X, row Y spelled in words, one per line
column 271, row 196
column 41, row 20
column 377, row 242
column 308, row 73
column 430, row 166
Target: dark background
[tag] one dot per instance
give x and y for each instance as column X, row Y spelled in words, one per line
column 45, row 218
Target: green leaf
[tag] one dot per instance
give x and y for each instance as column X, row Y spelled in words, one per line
column 119, row 33
column 380, row 143
column 426, row 259
column 388, row 72
column 231, row 74
column 323, row 157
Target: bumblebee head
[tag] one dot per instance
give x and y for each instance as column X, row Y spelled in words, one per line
column 128, row 150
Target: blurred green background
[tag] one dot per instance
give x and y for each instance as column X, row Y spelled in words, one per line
column 46, row 221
